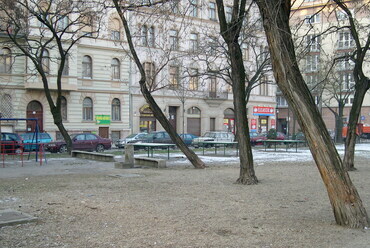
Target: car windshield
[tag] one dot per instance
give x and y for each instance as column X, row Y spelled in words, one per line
column 211, row 135
column 131, row 136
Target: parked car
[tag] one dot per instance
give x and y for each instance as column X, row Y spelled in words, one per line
column 213, row 136
column 29, row 140
column 158, row 137
column 188, row 138
column 82, row 141
column 132, row 138
column 11, row 143
column 257, row 138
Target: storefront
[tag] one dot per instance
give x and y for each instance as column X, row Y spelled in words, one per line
column 261, row 121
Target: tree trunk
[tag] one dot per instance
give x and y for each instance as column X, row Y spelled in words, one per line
column 230, row 33
column 247, row 173
column 157, row 112
column 346, row 203
column 354, row 115
column 339, row 122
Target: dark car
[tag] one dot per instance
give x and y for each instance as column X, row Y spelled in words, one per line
column 132, row 138
column 257, row 138
column 82, row 141
column 29, row 140
column 158, row 137
column 188, row 138
column 11, row 143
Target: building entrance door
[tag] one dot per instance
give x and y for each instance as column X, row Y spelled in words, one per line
column 104, row 132
column 34, row 110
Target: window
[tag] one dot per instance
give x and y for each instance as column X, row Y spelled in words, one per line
column 346, row 80
column 229, row 13
column 150, row 74
column 115, row 29
column 194, row 111
column 175, row 8
column 345, row 40
column 193, row 42
column 87, row 25
column 245, row 51
column 213, row 45
column 86, row 67
column 312, row 19
column 312, row 80
column 174, row 77
column 194, row 79
column 5, row 60
column 313, row 43
column 312, row 63
column 65, row 71
column 342, row 16
column 151, row 41
column 212, row 11
column 213, row 86
column 63, row 108
column 174, row 40
column 45, row 61
column 63, row 22
column 116, row 110
column 87, row 109
column 345, row 63
column 280, row 101
column 193, row 8
column 115, row 69
column 264, row 86
column 144, row 35
column 6, row 107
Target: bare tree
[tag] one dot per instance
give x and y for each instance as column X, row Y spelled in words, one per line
column 230, row 31
column 122, row 8
column 346, row 203
column 36, row 28
column 362, row 82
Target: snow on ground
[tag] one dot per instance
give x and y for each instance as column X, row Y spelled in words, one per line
column 260, row 155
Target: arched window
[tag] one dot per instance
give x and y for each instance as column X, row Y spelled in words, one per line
column 5, row 60
column 116, row 70
column 86, row 67
column 45, row 61
column 193, row 111
column 63, row 108
column 116, row 110
column 87, row 109
column 115, row 29
column 6, row 107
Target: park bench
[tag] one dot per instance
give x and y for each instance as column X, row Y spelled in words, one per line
column 93, row 156
column 151, row 162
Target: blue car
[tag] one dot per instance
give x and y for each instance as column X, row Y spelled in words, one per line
column 188, row 138
column 29, row 140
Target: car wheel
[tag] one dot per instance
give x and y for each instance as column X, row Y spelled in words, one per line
column 63, row 149
column 100, row 148
column 18, row 151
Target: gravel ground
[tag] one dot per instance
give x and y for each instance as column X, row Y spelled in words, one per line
column 89, row 204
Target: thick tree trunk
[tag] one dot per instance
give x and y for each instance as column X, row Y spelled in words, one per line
column 354, row 115
column 157, row 112
column 346, row 203
column 247, row 173
column 230, row 33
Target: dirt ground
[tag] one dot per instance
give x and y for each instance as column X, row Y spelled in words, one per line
column 89, row 204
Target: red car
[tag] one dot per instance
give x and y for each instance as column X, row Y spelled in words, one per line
column 81, row 141
column 257, row 138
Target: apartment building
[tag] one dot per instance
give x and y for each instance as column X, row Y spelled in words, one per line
column 181, row 50
column 317, row 49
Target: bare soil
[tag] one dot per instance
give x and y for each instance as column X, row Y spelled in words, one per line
column 89, row 204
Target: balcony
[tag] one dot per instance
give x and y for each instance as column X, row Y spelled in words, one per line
column 215, row 98
column 68, row 84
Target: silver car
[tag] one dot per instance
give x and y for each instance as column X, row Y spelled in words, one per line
column 132, row 138
column 213, row 136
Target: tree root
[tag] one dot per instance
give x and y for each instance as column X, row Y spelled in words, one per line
column 247, row 180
